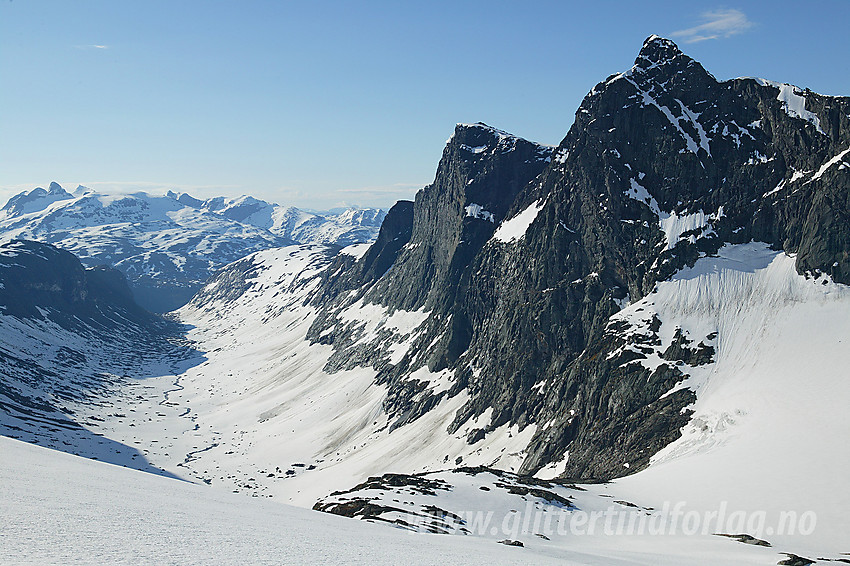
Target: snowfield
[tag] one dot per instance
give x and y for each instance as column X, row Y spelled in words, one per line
column 62, row 509
column 770, row 418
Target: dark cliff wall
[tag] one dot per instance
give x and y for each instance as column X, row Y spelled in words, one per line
column 661, row 142
column 39, row 280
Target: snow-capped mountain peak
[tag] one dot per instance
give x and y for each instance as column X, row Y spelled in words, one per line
column 35, row 200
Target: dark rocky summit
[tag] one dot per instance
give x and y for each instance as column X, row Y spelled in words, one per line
column 41, row 281
column 664, row 164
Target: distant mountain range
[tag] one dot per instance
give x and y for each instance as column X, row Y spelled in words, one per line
column 168, row 246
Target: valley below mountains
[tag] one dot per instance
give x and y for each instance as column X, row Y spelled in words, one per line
column 644, row 330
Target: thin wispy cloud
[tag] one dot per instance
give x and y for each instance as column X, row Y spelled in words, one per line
column 716, row 24
column 92, row 46
column 155, row 187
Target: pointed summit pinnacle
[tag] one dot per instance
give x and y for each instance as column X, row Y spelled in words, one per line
column 657, row 51
column 661, row 62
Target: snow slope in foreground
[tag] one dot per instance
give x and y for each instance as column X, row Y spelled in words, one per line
column 62, row 509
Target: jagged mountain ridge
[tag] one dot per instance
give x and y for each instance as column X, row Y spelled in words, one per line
column 169, row 246
column 663, row 165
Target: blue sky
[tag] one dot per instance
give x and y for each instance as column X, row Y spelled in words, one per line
column 319, row 104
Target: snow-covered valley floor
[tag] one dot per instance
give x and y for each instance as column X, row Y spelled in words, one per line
column 254, row 424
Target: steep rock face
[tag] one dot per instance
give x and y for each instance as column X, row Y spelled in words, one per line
column 663, row 164
column 39, row 280
column 394, row 234
column 520, row 257
column 481, row 172
column 346, row 272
